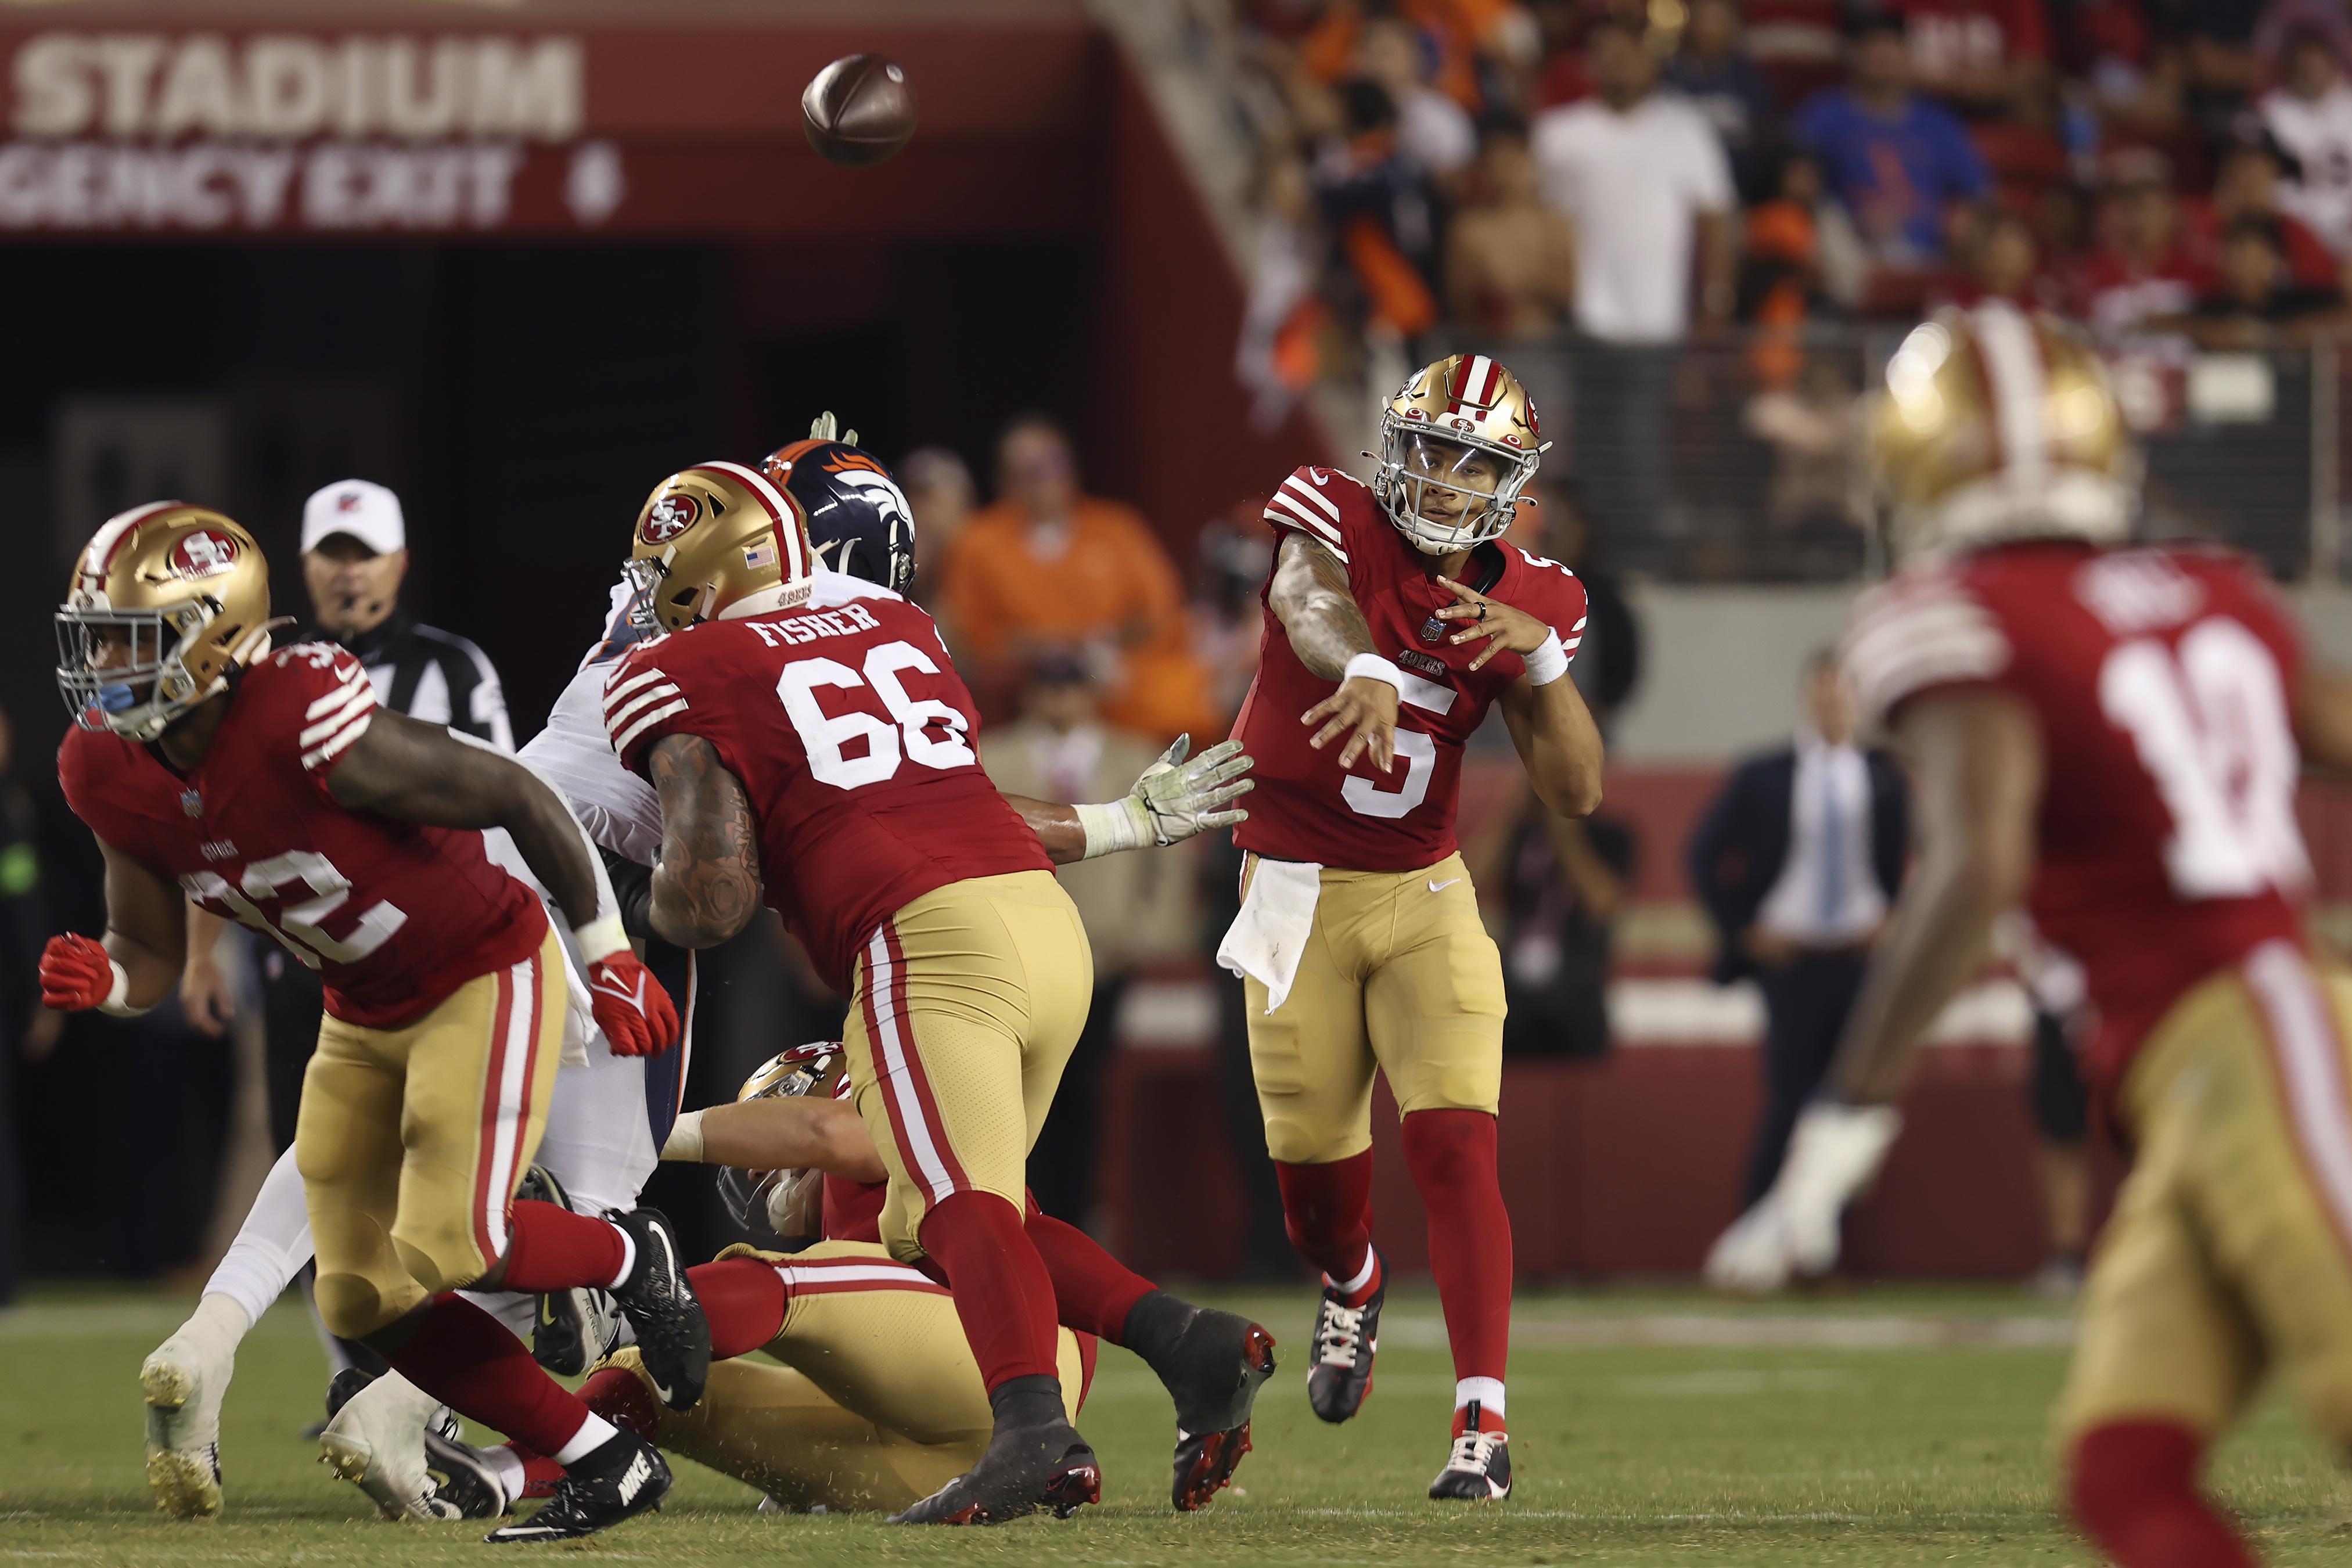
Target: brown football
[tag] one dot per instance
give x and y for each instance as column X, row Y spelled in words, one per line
column 859, row 110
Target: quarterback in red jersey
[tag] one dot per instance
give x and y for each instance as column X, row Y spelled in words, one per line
column 2110, row 736
column 1395, row 617
column 812, row 745
column 269, row 787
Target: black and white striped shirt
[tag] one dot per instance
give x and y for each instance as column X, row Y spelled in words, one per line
column 433, row 676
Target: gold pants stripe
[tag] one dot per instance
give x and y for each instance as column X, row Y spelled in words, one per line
column 2227, row 1259
column 1398, row 975
column 411, row 1140
column 968, row 1001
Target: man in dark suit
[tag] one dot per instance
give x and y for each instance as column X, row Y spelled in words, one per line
column 1797, row 862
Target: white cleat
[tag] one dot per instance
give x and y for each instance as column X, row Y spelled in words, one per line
column 376, row 1441
column 184, row 1381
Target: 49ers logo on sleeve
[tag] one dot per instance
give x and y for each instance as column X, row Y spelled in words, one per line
column 202, row 553
column 669, row 517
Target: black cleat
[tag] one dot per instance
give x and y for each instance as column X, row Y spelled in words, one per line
column 1213, row 1365
column 1479, row 1468
column 463, row 1479
column 1345, row 1340
column 673, row 1336
column 572, row 1329
column 1023, row 1469
column 621, row 1478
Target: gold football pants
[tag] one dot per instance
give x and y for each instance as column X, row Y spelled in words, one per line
column 878, row 1403
column 1399, row 975
column 968, row 1002
column 2229, row 1253
column 411, row 1140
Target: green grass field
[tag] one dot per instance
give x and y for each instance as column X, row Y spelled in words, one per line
column 1882, row 1428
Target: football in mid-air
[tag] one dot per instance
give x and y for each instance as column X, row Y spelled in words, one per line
column 859, row 110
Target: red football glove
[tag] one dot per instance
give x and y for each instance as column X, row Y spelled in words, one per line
column 76, row 974
column 631, row 1007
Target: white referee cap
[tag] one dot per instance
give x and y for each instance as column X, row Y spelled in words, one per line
column 367, row 512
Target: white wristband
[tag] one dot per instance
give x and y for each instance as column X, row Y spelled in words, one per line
column 117, row 1004
column 1548, row 663
column 1372, row 666
column 684, row 1141
column 1109, row 827
column 601, row 938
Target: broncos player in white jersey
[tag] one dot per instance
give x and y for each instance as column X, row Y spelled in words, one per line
column 610, row 1117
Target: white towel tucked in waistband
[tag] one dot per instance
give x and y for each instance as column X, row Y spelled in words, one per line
column 1270, row 933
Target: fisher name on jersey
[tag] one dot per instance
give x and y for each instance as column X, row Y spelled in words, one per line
column 395, row 916
column 852, row 734
column 1305, row 807
column 2160, row 679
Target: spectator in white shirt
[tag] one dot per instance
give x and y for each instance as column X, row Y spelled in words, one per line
column 1643, row 178
column 2311, row 115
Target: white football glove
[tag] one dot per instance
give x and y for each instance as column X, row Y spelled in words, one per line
column 1792, row 1230
column 1173, row 800
column 825, row 427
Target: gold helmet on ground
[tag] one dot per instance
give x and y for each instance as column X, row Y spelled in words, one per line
column 717, row 541
column 165, row 600
column 1463, row 426
column 1993, row 424
column 790, row 1203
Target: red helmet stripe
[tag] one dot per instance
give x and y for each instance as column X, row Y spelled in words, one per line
column 115, row 532
column 782, row 522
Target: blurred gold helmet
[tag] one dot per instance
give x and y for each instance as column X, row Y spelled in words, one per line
column 166, row 599
column 1448, row 423
column 789, row 1202
column 1993, row 424
column 717, row 541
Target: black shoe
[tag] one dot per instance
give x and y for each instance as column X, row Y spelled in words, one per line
column 1023, row 1469
column 463, row 1478
column 1345, row 1340
column 620, row 1478
column 1213, row 1363
column 1479, row 1468
column 572, row 1329
column 673, row 1336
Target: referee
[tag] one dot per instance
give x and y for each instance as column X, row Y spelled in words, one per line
column 355, row 556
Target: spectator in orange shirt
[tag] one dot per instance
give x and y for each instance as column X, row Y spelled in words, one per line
column 1047, row 569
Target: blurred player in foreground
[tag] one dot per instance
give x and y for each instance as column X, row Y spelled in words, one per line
column 857, row 806
column 2111, row 736
column 1358, row 935
column 268, row 786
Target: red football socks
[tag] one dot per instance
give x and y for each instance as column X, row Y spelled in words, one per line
column 551, row 1248
column 1093, row 1291
column 465, row 1358
column 1328, row 1209
column 620, row 1397
column 2134, row 1490
column 744, row 1299
column 1452, row 1154
column 1001, row 1290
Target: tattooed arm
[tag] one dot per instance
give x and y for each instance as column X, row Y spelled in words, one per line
column 420, row 773
column 1312, row 598
column 707, row 883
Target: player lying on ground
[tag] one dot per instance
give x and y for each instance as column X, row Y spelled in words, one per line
column 607, row 1121
column 1396, row 616
column 268, row 786
column 2111, row 736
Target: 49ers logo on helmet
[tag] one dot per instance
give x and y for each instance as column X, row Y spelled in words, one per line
column 669, row 517
column 203, row 553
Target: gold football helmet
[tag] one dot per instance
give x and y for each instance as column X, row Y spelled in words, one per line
column 717, row 541
column 165, row 600
column 1993, row 424
column 790, row 1203
column 1458, row 443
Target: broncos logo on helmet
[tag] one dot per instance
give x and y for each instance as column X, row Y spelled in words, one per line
column 859, row 522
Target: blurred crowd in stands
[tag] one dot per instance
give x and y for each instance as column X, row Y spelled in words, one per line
column 1641, row 173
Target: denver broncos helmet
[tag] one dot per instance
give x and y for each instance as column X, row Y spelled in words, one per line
column 859, row 519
